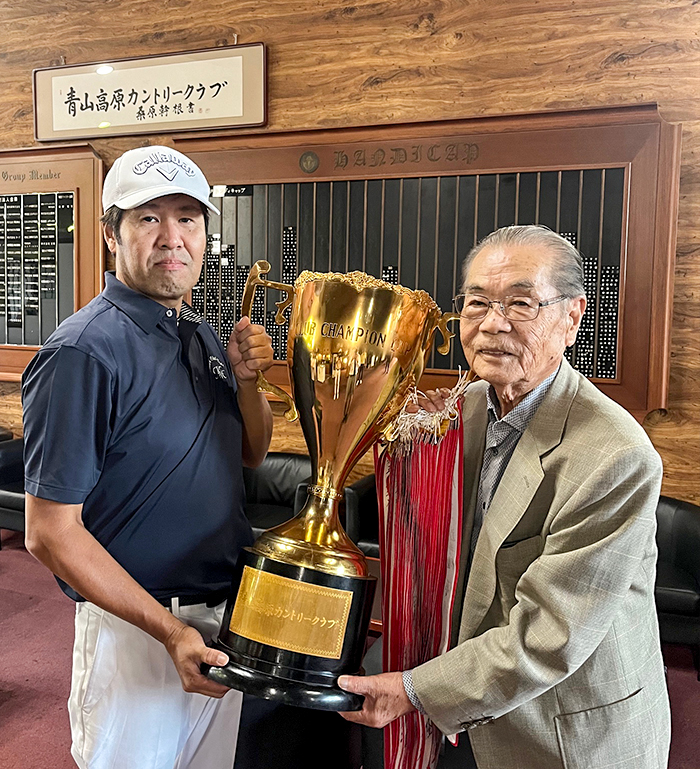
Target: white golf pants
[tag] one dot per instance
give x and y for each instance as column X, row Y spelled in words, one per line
column 127, row 707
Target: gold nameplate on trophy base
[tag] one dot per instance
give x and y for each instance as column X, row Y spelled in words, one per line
column 292, row 615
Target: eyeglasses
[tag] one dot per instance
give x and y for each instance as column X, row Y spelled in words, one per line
column 475, row 307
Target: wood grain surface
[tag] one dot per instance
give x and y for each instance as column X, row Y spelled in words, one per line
column 332, row 64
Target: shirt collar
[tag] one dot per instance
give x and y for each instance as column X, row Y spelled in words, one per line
column 145, row 312
column 519, row 418
column 190, row 314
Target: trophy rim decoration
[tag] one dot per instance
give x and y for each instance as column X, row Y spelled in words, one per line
column 361, row 280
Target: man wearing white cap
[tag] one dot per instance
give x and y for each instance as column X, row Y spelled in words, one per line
column 137, row 423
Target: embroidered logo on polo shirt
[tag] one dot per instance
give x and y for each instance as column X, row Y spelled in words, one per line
column 217, row 367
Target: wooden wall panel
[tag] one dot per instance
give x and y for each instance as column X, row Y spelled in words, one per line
column 379, row 61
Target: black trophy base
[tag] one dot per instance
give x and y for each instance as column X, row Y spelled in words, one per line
column 296, row 693
column 295, row 673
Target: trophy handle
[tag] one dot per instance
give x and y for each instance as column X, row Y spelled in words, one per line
column 447, row 335
column 262, row 267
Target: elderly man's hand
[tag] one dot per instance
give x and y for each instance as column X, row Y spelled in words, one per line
column 433, row 400
column 249, row 350
column 385, row 698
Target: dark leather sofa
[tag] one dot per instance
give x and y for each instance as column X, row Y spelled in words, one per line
column 276, row 490
column 11, row 485
column 362, row 515
column 678, row 574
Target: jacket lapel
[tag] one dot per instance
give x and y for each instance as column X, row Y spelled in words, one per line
column 515, row 492
column 475, row 422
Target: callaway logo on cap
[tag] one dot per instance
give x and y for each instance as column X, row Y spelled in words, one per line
column 147, row 173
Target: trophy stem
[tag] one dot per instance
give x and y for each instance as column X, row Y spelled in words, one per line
column 315, row 539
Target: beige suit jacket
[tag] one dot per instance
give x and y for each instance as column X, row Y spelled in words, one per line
column 558, row 662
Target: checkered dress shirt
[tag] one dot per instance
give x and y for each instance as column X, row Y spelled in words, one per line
column 502, row 436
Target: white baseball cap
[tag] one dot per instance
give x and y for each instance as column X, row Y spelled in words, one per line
column 146, row 173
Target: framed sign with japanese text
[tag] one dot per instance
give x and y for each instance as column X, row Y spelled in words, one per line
column 213, row 88
column 51, row 250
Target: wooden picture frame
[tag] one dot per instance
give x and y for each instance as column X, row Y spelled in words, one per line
column 208, row 88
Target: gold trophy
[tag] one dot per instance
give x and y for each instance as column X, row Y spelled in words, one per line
column 300, row 608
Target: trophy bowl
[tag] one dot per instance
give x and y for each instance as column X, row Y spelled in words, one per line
column 300, row 606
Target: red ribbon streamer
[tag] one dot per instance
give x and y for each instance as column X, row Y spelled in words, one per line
column 420, row 510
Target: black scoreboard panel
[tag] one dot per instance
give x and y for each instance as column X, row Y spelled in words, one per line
column 36, row 265
column 413, row 231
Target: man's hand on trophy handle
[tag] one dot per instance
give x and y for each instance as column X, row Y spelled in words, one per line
column 385, row 698
column 249, row 350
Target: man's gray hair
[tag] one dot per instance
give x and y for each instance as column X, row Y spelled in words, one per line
column 567, row 272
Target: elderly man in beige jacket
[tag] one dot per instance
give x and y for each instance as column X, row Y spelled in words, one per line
column 557, row 661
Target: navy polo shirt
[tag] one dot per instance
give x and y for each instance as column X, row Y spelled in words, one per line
column 135, row 416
